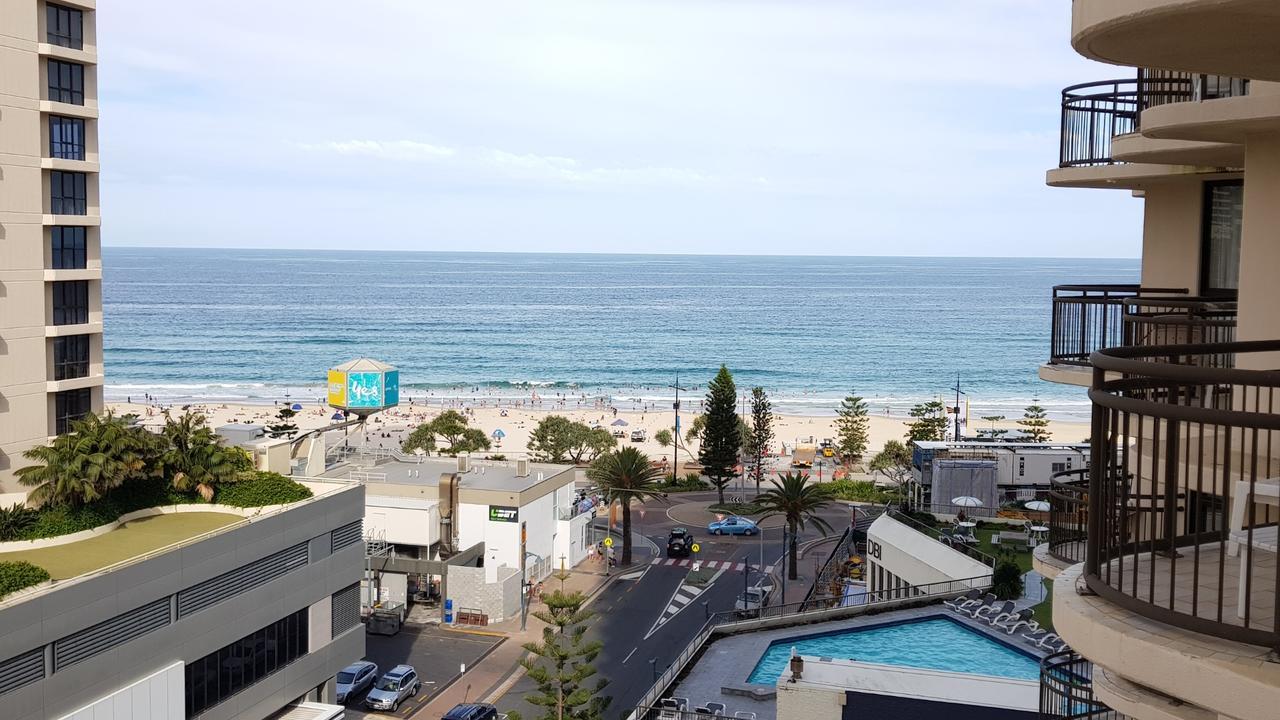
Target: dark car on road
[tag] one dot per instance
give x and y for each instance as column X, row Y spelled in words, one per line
column 679, row 543
column 471, row 711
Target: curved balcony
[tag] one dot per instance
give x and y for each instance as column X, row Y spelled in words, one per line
column 1066, row 689
column 1231, row 37
column 1184, row 487
column 1069, row 515
column 1091, row 317
column 1196, row 321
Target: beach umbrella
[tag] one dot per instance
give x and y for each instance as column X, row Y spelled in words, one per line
column 618, row 423
column 1037, row 505
column 498, row 434
column 966, row 501
column 297, row 406
column 336, row 416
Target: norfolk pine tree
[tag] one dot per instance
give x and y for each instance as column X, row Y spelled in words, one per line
column 721, row 435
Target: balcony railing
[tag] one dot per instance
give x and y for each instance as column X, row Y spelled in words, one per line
column 1066, row 689
column 1181, row 321
column 1093, row 113
column 1184, row 488
column 1090, row 317
column 1069, row 514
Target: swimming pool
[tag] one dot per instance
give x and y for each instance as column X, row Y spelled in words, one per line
column 934, row 643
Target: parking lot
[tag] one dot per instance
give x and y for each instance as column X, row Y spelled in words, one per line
column 436, row 654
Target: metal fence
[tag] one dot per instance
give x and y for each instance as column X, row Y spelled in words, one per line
column 1181, row 321
column 1066, row 689
column 1178, row 448
column 1069, row 514
column 1091, row 317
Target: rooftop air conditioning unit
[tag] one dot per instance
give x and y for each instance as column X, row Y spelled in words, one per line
column 464, row 463
column 522, row 468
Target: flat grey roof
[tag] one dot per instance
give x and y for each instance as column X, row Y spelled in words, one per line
column 483, row 475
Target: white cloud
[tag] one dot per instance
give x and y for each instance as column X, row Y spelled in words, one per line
column 850, row 126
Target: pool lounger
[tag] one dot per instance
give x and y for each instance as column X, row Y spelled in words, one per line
column 971, row 609
column 1028, row 624
column 960, row 602
column 992, row 611
column 1003, row 620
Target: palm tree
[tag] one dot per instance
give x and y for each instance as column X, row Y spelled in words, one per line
column 625, row 475
column 795, row 499
column 194, row 456
column 99, row 453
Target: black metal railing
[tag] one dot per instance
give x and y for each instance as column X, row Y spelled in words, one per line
column 1069, row 514
column 1066, row 689
column 1182, row 516
column 1094, row 113
column 1091, row 317
column 1181, row 321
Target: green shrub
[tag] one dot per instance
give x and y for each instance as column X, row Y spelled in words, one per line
column 16, row 520
column 15, row 576
column 1006, row 579
column 265, row 488
column 858, row 490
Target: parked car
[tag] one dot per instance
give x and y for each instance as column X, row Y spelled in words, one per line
column 679, row 543
column 355, row 679
column 399, row 683
column 751, row 602
column 733, row 525
column 638, row 435
column 471, row 711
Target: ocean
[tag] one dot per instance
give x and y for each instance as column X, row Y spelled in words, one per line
column 257, row 325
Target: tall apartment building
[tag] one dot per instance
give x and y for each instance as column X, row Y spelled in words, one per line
column 1164, row 549
column 50, row 250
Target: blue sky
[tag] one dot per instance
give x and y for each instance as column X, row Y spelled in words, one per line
column 826, row 127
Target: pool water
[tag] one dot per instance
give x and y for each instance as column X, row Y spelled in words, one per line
column 937, row 643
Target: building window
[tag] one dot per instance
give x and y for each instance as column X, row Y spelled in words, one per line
column 67, row 248
column 67, row 193
column 66, row 137
column 64, row 26
column 1220, row 237
column 1061, row 467
column 70, row 405
column 70, row 357
column 66, row 82
column 1022, row 467
column 225, row 672
column 71, row 302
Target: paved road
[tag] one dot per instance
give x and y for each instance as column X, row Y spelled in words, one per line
column 629, row 609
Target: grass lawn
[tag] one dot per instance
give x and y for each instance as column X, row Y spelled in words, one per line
column 984, row 534
column 129, row 540
column 1043, row 612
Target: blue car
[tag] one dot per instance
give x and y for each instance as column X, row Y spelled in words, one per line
column 733, row 525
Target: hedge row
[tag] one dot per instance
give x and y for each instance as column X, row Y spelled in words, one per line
column 51, row 521
column 15, row 576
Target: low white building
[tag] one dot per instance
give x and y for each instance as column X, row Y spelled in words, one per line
column 434, row 509
column 1016, row 472
column 899, row 557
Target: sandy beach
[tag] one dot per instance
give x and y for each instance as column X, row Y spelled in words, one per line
column 387, row 428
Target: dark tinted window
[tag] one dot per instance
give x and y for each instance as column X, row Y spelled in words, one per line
column 66, row 82
column 70, row 357
column 64, row 26
column 1223, row 222
column 70, row 405
column 66, row 137
column 70, row 302
column 67, row 193
column 67, row 248
column 225, row 672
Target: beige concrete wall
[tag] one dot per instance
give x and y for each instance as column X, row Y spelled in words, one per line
column 1259, row 317
column 1171, row 235
column 25, row 310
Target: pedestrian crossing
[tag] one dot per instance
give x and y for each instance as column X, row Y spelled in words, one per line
column 710, row 564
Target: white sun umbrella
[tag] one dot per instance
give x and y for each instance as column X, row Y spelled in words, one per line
column 966, row 501
column 1036, row 505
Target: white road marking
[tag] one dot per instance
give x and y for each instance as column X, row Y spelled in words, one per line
column 671, row 561
column 628, row 657
column 681, row 599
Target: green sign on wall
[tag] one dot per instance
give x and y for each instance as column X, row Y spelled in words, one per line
column 502, row 513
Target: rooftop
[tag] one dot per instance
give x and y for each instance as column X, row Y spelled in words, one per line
column 141, row 538
column 133, row 538
column 497, row 475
